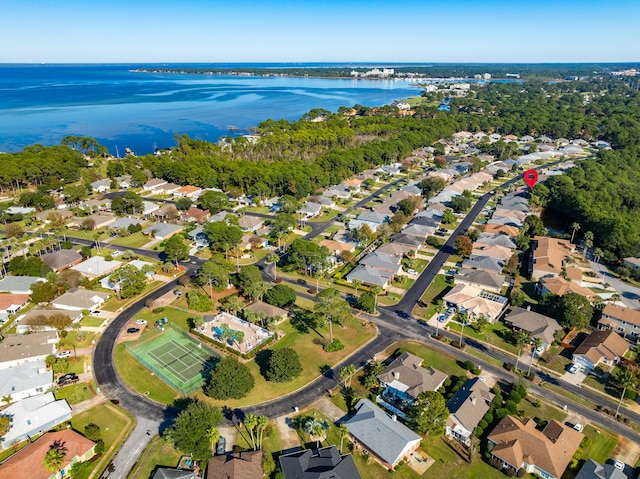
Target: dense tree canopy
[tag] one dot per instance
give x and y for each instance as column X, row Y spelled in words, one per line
column 230, row 380
column 283, row 365
column 191, row 429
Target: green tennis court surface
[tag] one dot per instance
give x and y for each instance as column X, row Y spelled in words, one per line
column 177, row 359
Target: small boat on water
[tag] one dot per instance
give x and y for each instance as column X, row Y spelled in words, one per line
column 232, row 128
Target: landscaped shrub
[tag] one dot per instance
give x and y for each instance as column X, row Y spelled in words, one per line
column 366, row 302
column 630, row 394
column 333, row 346
column 158, row 310
column 468, row 365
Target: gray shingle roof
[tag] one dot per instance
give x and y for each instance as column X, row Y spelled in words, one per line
column 385, row 437
column 326, row 463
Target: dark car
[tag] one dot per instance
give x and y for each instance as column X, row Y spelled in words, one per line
column 133, row 330
column 68, row 379
column 221, row 446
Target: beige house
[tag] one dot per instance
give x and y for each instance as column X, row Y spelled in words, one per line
column 476, row 302
column 519, row 445
column 268, row 310
column 537, row 325
column 624, row 321
column 549, row 256
column 467, row 407
column 29, row 462
column 600, row 347
column 560, row 286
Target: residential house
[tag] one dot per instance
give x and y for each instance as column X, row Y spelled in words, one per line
column 238, row 465
column 100, row 186
column 124, row 223
column 325, row 201
column 633, row 263
column 17, row 349
column 124, row 182
column 12, row 303
column 194, row 214
column 500, row 240
column 28, row 463
column 39, row 319
column 549, row 256
column 420, row 231
column 485, row 263
column 370, row 218
column 19, row 210
column 167, row 211
column 162, row 231
column 535, row 324
column 498, row 229
column 387, row 439
column 79, row 299
column 199, row 237
column 61, row 259
column 593, row 470
column 410, row 241
column 476, row 302
column 520, row 445
column 176, row 473
column 600, row 347
column 148, row 207
column 25, row 380
column 404, row 379
column 624, row 321
column 340, row 192
column 32, row 416
column 481, row 279
column 92, row 222
column 311, row 210
column 167, row 189
column 327, row 462
column 560, row 286
column 353, row 184
column 467, row 407
column 395, row 249
column 382, row 261
column 153, row 185
column 494, row 251
column 251, row 241
column 429, row 222
column 96, row 266
column 189, row 191
column 370, row 276
column 268, row 310
column 337, row 248
column 45, row 216
column 250, row 223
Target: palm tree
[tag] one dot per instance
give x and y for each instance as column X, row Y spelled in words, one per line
column 250, row 423
column 274, row 258
column 597, row 253
column 213, row 434
column 535, row 344
column 344, row 432
column 346, row 373
column 615, row 297
column 463, row 319
column 440, row 309
column 575, row 227
column 7, row 399
column 54, row 458
column 521, row 340
column 263, row 422
column 356, row 284
column 625, row 380
column 588, row 243
column 376, row 290
column 316, row 428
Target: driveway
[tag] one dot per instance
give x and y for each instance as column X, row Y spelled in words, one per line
column 574, row 378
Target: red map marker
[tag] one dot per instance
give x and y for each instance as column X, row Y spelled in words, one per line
column 530, row 178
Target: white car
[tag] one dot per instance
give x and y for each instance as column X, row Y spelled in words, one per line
column 619, row 465
column 574, row 368
column 141, row 321
column 578, row 427
column 412, row 271
column 63, row 354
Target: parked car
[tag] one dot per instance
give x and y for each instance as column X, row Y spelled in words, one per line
column 450, row 272
column 578, row 427
column 618, row 465
column 539, row 350
column 68, row 379
column 177, row 292
column 574, row 368
column 95, row 312
column 412, row 271
column 63, row 354
column 221, row 446
column 133, row 330
column 141, row 321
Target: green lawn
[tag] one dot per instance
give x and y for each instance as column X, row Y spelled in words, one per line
column 264, row 210
column 91, row 321
column 75, row 393
column 76, row 364
column 113, row 303
column 140, row 379
column 497, row 334
column 432, row 358
column 136, row 240
column 156, row 454
column 545, row 412
column 436, row 291
column 327, row 214
column 556, row 359
column 79, row 339
column 602, row 446
column 115, row 425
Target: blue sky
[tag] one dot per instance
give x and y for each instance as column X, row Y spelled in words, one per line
column 319, row 31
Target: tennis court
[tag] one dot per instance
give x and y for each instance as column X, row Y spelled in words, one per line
column 177, row 359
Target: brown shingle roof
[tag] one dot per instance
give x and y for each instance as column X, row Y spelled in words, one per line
column 628, row 315
column 407, row 370
column 244, row 465
column 602, row 344
column 551, row 450
column 29, row 462
column 550, row 254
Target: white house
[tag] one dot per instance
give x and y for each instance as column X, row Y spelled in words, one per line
column 23, row 348
column 25, row 380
